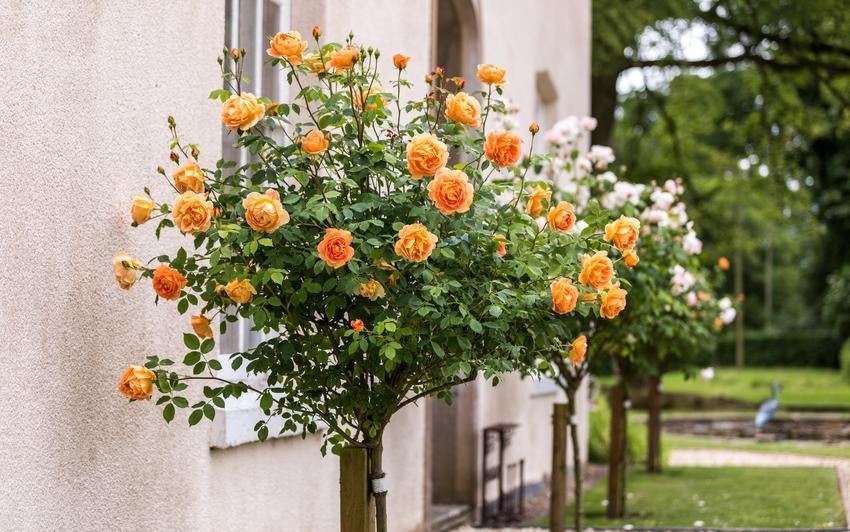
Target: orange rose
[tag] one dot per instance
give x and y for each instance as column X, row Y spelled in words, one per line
column 335, row 248
column 242, row 112
column 623, row 231
column 425, row 155
column 124, row 267
column 596, row 270
column 503, row 244
column 357, row 325
column 503, row 148
column 578, row 349
column 201, row 326
column 612, row 302
column 372, row 289
column 415, row 243
column 141, row 209
column 463, row 109
column 167, row 282
column 451, row 191
column 564, row 295
column 491, row 74
column 241, row 291
column 189, row 177
column 314, row 63
column 723, row 263
column 288, row 44
column 137, row 383
column 703, row 296
column 314, row 142
column 630, row 257
column 562, row 217
column 192, row 212
column 718, row 324
column 263, row 212
column 344, row 58
column 536, row 198
column 400, row 61
column 360, row 98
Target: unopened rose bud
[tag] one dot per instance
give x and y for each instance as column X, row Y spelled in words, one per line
column 195, row 152
column 534, row 128
column 317, row 31
column 235, row 54
column 350, row 35
column 377, row 53
column 160, row 170
column 171, row 122
column 459, row 82
column 219, row 60
column 174, row 157
column 428, row 78
column 439, row 71
column 400, row 61
column 369, row 50
column 216, row 212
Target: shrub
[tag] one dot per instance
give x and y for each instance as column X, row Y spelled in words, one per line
column 600, row 420
column 845, row 360
column 813, row 348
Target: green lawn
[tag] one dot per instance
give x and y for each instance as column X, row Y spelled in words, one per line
column 799, row 386
column 674, row 441
column 724, row 497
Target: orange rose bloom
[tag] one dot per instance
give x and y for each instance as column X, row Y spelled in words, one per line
column 314, row 142
column 192, row 212
column 400, row 61
column 242, row 112
column 723, row 263
column 578, row 349
column 564, row 295
column 263, row 212
column 451, row 191
column 141, row 209
column 287, row 44
column 201, row 326
column 335, row 248
column 357, row 325
column 562, row 217
column 703, row 296
column 596, row 270
column 612, row 302
column 503, row 148
column 344, row 58
column 167, row 282
column 718, row 324
column 623, row 231
column 491, row 74
column 314, row 63
column 463, row 109
column 535, row 206
column 137, row 383
column 241, row 291
column 503, row 244
column 124, row 267
column 189, row 177
column 425, row 155
column 630, row 257
column 360, row 98
column 415, row 243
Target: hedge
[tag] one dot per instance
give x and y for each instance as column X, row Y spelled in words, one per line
column 798, row 348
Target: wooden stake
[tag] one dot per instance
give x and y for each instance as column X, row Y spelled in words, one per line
column 617, row 451
column 653, row 449
column 353, row 491
column 558, row 495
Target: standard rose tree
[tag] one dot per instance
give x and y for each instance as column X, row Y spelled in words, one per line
column 379, row 272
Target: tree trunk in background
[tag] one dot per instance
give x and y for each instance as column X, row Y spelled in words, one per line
column 353, row 490
column 617, row 451
column 653, row 448
column 739, row 276
column 603, row 103
column 558, row 492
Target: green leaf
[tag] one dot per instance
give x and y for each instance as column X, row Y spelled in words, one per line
column 195, row 417
column 180, row 402
column 168, row 412
column 475, row 326
column 207, row 345
column 191, row 341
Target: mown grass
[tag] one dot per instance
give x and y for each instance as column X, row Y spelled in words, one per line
column 675, row 441
column 724, row 497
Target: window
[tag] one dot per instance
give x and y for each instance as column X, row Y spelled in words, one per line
column 248, row 24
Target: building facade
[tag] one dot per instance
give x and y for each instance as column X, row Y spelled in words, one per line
column 88, row 86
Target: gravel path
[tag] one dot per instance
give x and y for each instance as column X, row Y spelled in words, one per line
column 723, row 457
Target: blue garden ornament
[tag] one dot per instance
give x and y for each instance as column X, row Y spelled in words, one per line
column 768, row 409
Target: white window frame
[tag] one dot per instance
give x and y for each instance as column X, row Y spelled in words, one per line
column 234, row 424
